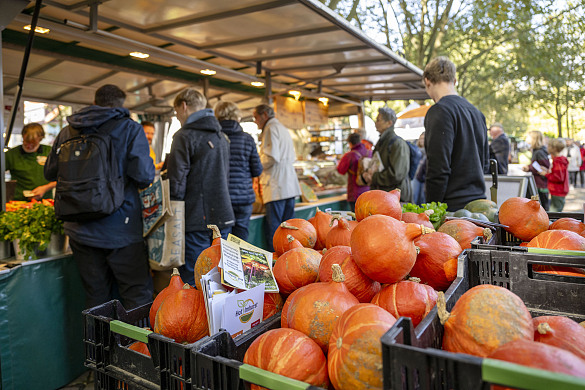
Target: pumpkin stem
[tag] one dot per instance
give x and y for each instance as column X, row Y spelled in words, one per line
column 342, row 222
column 284, row 225
column 429, row 212
column 324, row 250
column 417, row 249
column 442, row 308
column 175, row 272
column 426, row 230
column 413, row 279
column 216, row 232
column 186, row 286
column 338, row 275
column 351, row 215
column 487, row 234
column 544, row 328
column 535, row 197
column 289, row 238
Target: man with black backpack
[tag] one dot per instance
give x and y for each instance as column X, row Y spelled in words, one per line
column 395, row 155
column 99, row 162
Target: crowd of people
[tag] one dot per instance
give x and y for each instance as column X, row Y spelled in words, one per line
column 213, row 164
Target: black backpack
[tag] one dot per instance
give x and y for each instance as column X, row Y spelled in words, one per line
column 415, row 156
column 89, row 185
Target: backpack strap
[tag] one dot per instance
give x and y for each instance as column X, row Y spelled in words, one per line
column 359, row 156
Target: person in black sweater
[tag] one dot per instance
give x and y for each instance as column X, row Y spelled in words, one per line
column 455, row 140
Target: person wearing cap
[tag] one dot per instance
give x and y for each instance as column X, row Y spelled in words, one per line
column 26, row 165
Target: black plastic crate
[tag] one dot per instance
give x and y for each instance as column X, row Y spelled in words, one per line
column 217, row 364
column 412, row 358
column 110, row 329
column 502, row 237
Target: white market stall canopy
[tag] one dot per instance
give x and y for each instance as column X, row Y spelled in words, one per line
column 287, row 44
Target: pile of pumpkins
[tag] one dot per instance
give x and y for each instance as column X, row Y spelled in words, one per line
column 346, row 282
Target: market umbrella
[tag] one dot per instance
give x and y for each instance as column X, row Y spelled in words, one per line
column 416, row 112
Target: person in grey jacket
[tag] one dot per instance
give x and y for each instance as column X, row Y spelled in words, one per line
column 198, row 169
column 244, row 165
column 279, row 185
column 395, row 156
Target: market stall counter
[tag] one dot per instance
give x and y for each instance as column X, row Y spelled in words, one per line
column 302, row 210
column 42, row 327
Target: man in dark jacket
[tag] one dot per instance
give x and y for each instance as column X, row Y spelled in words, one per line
column 395, row 156
column 198, row 169
column 500, row 147
column 244, row 165
column 455, row 140
column 111, row 250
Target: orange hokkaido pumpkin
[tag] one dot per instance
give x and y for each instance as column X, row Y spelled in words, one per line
column 322, row 223
column 383, row 247
column 378, row 202
column 560, row 332
column 469, row 329
column 558, row 239
column 436, row 258
column 296, row 268
column 464, row 231
column 300, row 229
column 290, row 353
column 355, row 352
column 182, row 316
column 419, row 218
column 362, row 287
column 407, row 298
column 582, row 324
column 175, row 284
column 340, row 234
column 273, row 303
column 209, row 258
column 140, row 347
column 316, row 308
column 525, row 218
column 284, row 314
column 570, row 224
column 539, row 355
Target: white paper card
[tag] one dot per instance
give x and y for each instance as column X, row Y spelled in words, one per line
column 243, row 311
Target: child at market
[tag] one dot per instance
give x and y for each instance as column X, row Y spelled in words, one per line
column 558, row 175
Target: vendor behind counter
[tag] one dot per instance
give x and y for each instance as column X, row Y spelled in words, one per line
column 26, row 164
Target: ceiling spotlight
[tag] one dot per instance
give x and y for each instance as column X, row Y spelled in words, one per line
column 208, row 72
column 257, row 83
column 324, row 100
column 39, row 30
column 138, row 54
column 295, row 94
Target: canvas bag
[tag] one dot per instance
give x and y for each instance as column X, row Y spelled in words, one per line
column 166, row 244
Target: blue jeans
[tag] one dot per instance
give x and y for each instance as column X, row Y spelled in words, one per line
column 195, row 243
column 242, row 215
column 418, row 191
column 277, row 212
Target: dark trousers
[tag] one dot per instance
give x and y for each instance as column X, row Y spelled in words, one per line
column 543, row 197
column 195, row 243
column 105, row 270
column 277, row 212
column 573, row 178
column 242, row 215
column 582, row 177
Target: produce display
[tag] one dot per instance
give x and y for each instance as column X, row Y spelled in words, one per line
column 343, row 284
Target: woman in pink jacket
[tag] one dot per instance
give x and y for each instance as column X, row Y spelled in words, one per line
column 349, row 164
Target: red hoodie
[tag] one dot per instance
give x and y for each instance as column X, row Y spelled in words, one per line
column 558, row 179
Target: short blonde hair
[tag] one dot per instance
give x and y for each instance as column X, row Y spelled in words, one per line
column 556, row 145
column 536, row 139
column 193, row 98
column 440, row 69
column 227, row 111
column 32, row 131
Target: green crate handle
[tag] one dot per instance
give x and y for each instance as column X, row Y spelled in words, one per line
column 515, row 375
column 269, row 379
column 557, row 252
column 131, row 331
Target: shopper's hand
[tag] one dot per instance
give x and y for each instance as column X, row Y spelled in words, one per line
column 525, row 168
column 367, row 176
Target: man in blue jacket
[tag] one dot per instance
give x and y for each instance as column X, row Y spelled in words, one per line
column 110, row 251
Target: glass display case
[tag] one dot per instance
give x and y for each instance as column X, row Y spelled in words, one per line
column 321, row 176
